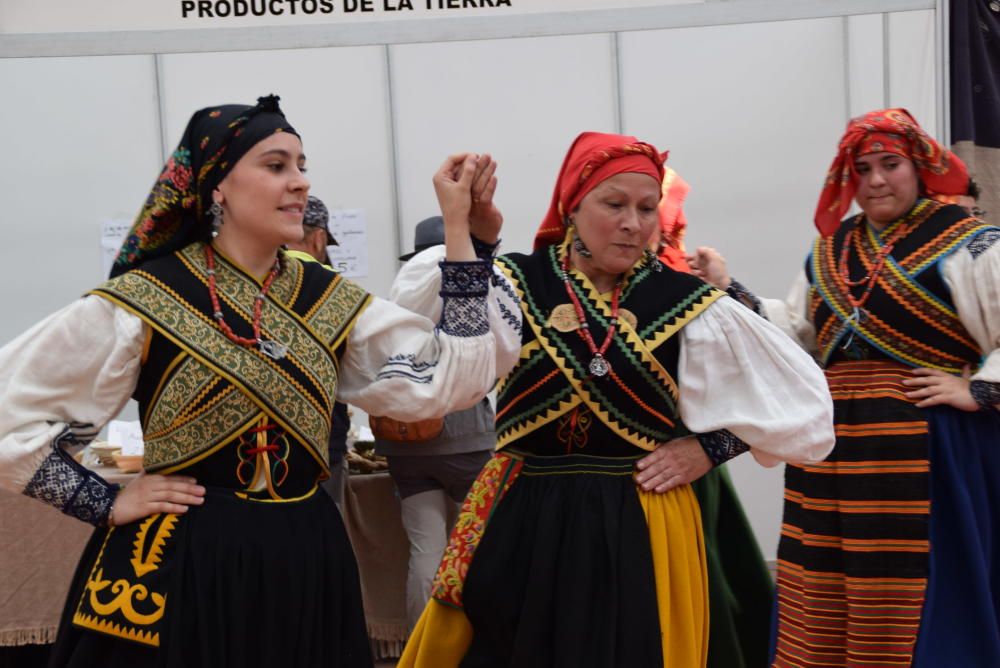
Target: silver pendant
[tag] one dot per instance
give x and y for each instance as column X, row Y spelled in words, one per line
column 599, row 366
column 272, row 349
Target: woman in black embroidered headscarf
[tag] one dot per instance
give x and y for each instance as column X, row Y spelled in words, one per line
column 222, row 553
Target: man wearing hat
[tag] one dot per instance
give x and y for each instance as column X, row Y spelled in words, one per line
column 433, row 474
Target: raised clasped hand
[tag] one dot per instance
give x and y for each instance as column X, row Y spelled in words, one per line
column 708, row 264
column 453, row 186
column 674, row 463
column 485, row 219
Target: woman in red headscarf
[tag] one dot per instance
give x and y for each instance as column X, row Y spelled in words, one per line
column 888, row 554
column 564, row 554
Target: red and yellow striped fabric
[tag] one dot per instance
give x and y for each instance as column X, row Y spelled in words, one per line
column 853, row 557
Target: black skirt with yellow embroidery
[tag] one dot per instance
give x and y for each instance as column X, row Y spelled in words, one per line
column 234, row 582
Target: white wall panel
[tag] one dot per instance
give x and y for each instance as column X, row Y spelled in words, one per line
column 336, row 100
column 866, row 63
column 911, row 66
column 751, row 115
column 522, row 100
column 80, row 144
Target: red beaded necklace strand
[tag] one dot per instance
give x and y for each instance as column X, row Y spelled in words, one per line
column 599, row 365
column 869, row 279
column 272, row 349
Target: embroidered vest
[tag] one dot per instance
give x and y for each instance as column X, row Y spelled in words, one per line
column 909, row 316
column 549, row 405
column 198, row 392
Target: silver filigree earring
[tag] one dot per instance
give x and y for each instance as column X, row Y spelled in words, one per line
column 216, row 211
column 578, row 244
column 652, row 260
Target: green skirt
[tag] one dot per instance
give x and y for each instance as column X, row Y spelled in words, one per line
column 740, row 587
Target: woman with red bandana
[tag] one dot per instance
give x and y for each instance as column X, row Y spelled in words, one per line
column 888, row 554
column 563, row 554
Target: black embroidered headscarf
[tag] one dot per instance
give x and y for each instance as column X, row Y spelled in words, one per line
column 176, row 212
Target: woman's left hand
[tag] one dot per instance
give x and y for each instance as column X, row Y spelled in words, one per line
column 675, row 463
column 937, row 388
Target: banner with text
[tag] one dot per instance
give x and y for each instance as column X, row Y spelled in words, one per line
column 60, row 16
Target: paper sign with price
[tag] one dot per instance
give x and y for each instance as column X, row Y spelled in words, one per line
column 350, row 256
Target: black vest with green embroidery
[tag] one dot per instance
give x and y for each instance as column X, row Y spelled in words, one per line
column 910, row 315
column 550, row 405
column 225, row 413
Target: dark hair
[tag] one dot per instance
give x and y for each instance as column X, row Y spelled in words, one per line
column 973, row 189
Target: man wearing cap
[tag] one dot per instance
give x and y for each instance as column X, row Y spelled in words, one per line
column 316, row 224
column 433, row 474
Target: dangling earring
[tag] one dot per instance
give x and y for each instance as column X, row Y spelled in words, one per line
column 652, row 260
column 216, row 211
column 578, row 244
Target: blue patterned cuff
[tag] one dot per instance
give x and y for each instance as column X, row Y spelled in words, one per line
column 739, row 292
column 983, row 242
column 721, row 445
column 62, row 482
column 484, row 251
column 464, row 286
column 986, row 394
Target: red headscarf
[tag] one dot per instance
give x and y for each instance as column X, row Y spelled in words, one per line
column 892, row 131
column 594, row 157
column 673, row 222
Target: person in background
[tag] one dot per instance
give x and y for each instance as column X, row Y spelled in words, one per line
column 433, row 473
column 313, row 247
column 969, row 200
column 316, row 235
column 740, row 587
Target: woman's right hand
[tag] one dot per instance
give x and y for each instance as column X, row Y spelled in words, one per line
column 453, row 185
column 151, row 494
column 709, row 265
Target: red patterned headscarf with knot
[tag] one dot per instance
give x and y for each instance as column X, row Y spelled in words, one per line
column 891, row 131
column 594, row 157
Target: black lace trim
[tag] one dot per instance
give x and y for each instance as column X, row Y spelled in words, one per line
column 986, row 394
column 464, row 286
column 62, row 482
column 983, row 242
column 721, row 445
column 739, row 292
